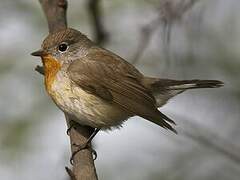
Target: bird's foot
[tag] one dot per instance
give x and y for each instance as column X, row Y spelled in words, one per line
column 82, row 147
column 86, row 145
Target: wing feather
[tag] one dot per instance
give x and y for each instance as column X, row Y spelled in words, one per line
column 113, row 79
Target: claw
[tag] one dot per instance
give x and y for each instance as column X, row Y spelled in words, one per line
column 85, row 146
column 80, row 148
column 94, row 153
column 68, row 130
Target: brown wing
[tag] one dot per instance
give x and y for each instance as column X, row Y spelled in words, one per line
column 113, row 79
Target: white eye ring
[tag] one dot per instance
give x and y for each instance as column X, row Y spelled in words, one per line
column 63, row 47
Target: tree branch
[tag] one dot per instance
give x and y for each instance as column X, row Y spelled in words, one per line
column 55, row 12
column 101, row 36
column 83, row 163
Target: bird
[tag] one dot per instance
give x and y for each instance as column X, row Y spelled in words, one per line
column 97, row 88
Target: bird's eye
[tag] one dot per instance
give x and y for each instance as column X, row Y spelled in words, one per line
column 63, row 47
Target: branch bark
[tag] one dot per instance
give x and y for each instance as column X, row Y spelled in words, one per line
column 56, row 14
column 83, row 163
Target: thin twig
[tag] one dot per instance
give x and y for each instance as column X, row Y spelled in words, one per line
column 209, row 139
column 171, row 12
column 145, row 37
column 39, row 69
column 168, row 13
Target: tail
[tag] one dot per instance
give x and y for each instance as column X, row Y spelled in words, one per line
column 164, row 89
column 161, row 120
column 188, row 84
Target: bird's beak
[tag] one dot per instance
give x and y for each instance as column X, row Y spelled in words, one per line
column 39, row 52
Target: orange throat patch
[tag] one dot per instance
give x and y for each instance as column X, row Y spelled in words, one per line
column 51, row 68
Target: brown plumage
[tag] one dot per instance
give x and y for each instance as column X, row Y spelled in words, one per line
column 94, row 84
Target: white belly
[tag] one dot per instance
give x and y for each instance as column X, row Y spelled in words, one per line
column 86, row 108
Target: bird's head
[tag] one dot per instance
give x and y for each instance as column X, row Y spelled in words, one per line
column 64, row 46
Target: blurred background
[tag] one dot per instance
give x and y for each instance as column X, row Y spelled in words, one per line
column 179, row 39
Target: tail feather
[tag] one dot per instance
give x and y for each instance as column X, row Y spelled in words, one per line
column 164, row 124
column 165, row 89
column 191, row 84
column 161, row 120
column 167, row 118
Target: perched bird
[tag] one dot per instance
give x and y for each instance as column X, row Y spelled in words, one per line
column 98, row 88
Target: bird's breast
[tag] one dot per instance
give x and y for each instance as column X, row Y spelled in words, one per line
column 87, row 108
column 51, row 68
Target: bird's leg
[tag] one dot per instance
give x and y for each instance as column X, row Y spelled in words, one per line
column 86, row 145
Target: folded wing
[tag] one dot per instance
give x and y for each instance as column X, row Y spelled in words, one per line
column 113, row 79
